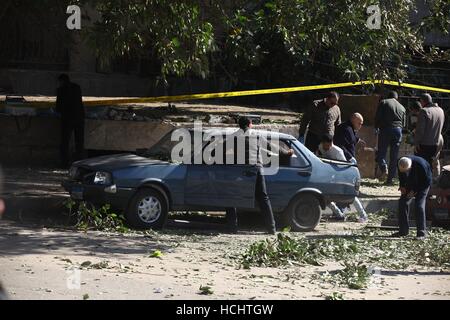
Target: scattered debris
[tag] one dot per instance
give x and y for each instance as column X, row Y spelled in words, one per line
column 86, row 264
column 335, row 296
column 205, row 290
column 158, row 290
column 156, row 254
column 67, row 260
column 357, row 252
column 100, row 265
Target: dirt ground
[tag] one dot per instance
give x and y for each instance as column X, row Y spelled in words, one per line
column 38, row 264
column 41, row 261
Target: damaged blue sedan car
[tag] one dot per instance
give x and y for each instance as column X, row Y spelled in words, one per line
column 148, row 185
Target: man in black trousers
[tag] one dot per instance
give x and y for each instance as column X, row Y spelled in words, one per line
column 261, row 195
column 70, row 105
column 429, row 126
column 415, row 180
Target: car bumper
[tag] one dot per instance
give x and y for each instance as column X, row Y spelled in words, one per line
column 117, row 197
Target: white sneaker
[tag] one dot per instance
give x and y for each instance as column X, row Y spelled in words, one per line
column 363, row 219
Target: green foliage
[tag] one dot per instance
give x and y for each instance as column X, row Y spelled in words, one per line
column 100, row 265
column 156, row 254
column 356, row 252
column 282, row 35
column 281, row 251
column 335, row 296
column 286, row 250
column 379, row 216
column 90, row 217
column 355, row 275
column 205, row 290
column 270, row 40
column 173, row 32
column 439, row 17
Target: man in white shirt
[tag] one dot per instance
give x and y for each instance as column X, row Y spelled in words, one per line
column 330, row 151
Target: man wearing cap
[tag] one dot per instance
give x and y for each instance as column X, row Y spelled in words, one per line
column 415, row 180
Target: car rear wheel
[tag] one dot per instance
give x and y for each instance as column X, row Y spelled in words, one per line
column 147, row 210
column 303, row 213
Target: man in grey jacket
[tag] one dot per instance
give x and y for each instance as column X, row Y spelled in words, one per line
column 429, row 127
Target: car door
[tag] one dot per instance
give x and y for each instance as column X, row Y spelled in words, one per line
column 218, row 184
column 290, row 178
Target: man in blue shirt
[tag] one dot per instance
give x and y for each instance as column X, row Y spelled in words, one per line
column 415, row 180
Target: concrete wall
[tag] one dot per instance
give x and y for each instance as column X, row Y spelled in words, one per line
column 124, row 135
column 29, row 141
column 364, row 104
column 34, row 141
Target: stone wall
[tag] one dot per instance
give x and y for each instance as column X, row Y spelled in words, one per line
column 28, row 141
column 34, row 141
column 124, row 135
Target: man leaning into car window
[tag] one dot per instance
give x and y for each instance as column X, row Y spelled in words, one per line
column 330, row 151
column 261, row 195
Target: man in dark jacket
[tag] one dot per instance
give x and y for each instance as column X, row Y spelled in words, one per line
column 70, row 105
column 346, row 136
column 415, row 181
column 261, row 195
column 429, row 126
column 320, row 118
column 390, row 119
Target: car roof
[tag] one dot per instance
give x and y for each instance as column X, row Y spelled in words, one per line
column 230, row 130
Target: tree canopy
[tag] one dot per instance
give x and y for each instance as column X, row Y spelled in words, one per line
column 274, row 40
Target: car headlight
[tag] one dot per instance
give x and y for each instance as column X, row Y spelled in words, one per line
column 102, row 178
column 73, row 172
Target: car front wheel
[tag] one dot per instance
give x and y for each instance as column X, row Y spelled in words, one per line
column 303, row 213
column 147, row 210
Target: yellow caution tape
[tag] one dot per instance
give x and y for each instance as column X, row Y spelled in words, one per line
column 109, row 102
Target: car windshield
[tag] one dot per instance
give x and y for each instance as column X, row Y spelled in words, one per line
column 163, row 148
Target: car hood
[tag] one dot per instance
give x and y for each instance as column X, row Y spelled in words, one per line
column 117, row 161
